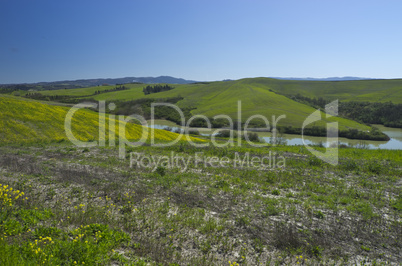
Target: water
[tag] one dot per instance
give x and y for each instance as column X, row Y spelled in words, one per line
column 392, row 144
column 162, row 127
column 395, row 143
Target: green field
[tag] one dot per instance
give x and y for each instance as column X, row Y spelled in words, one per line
column 221, row 98
column 356, row 90
column 263, row 96
column 86, row 91
column 62, row 204
column 27, row 121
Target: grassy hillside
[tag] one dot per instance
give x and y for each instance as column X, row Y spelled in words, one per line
column 221, row 98
column 86, row 91
column 262, row 96
column 30, row 121
column 355, row 90
column 62, row 205
column 183, row 205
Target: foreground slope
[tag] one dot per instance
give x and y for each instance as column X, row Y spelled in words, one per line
column 31, row 121
column 87, row 206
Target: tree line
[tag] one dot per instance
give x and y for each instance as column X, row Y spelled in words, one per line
column 387, row 114
column 383, row 113
column 117, row 88
column 157, row 88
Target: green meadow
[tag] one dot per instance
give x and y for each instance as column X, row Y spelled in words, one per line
column 27, row 121
column 215, row 98
column 66, row 205
column 259, row 96
column 235, row 204
column 356, row 90
column 82, row 92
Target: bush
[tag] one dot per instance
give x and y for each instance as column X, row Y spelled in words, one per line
column 192, row 132
column 225, row 134
column 178, row 131
column 251, row 136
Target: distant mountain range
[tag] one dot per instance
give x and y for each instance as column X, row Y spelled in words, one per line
column 70, row 84
column 326, row 79
column 163, row 79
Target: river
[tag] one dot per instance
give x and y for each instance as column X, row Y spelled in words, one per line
column 395, row 134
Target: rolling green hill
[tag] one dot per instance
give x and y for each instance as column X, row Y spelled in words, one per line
column 222, row 98
column 262, row 96
column 24, row 120
column 86, row 92
column 356, row 90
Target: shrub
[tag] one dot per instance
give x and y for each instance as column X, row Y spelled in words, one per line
column 251, row 136
column 192, row 132
column 225, row 134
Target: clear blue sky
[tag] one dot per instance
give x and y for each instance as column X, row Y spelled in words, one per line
column 48, row 40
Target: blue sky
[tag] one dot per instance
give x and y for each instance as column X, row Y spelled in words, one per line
column 48, row 40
